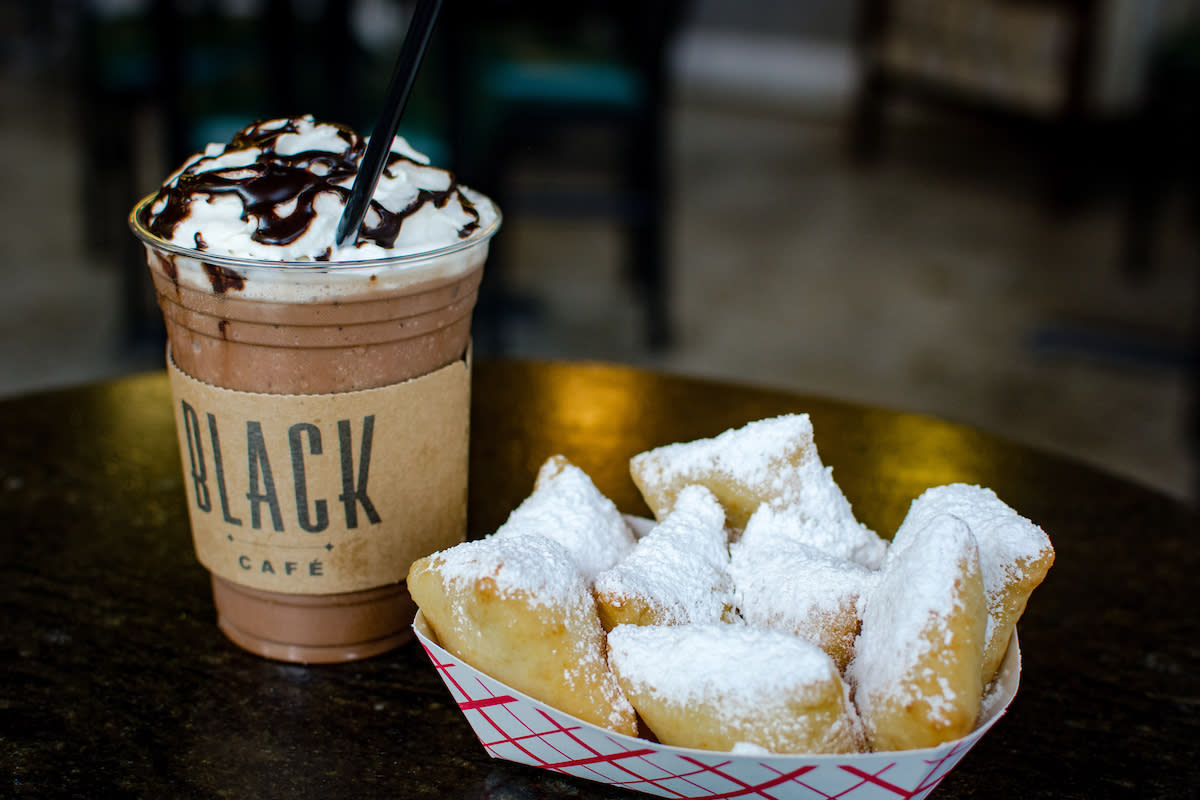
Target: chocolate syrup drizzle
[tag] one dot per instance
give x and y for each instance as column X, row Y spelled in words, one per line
column 275, row 179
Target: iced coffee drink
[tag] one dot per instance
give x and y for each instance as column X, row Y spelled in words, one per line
column 321, row 393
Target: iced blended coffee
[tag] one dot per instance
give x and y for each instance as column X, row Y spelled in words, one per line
column 321, row 393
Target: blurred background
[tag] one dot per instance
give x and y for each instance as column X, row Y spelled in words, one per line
column 983, row 210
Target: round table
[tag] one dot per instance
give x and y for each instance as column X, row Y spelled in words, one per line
column 117, row 682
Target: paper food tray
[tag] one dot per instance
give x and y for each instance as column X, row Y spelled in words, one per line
column 515, row 727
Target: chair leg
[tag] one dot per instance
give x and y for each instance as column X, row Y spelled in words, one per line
column 1146, row 188
column 651, row 271
column 649, row 256
column 493, row 307
column 867, row 111
column 867, row 117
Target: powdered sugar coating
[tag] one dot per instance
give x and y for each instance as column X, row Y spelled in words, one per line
column 921, row 639
column 793, row 587
column 1014, row 554
column 519, row 609
column 751, row 456
column 916, row 590
column 681, row 568
column 822, row 520
column 721, row 687
column 566, row 506
column 531, row 565
column 1006, row 539
column 744, row 666
column 773, row 462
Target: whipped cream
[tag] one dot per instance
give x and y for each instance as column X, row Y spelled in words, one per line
column 276, row 193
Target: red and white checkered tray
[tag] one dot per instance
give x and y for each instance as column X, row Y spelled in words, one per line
column 515, row 727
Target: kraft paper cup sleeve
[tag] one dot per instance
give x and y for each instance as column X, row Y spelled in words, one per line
column 515, row 727
column 324, row 494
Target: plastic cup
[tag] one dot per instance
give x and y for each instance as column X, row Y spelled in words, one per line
column 269, row 335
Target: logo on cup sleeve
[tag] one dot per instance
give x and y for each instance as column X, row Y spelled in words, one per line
column 257, row 477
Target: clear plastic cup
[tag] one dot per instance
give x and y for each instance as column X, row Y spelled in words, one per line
column 263, row 328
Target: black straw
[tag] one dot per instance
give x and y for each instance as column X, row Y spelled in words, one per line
column 403, row 77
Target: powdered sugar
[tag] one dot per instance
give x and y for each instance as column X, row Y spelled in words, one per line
column 742, row 666
column 751, row 455
column 793, row 587
column 1006, row 540
column 567, row 507
column 532, row 565
column 905, row 618
column 548, row 637
column 772, row 464
column 681, row 567
column 821, row 519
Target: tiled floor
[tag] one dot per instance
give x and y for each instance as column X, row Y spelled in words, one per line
column 934, row 282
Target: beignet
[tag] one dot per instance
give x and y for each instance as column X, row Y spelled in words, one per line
column 566, row 506
column 771, row 461
column 518, row 610
column 719, row 686
column 1014, row 554
column 678, row 573
column 916, row 667
column 792, row 587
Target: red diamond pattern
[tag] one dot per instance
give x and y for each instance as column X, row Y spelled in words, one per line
column 513, row 727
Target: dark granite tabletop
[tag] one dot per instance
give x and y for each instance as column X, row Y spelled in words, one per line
column 117, row 683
